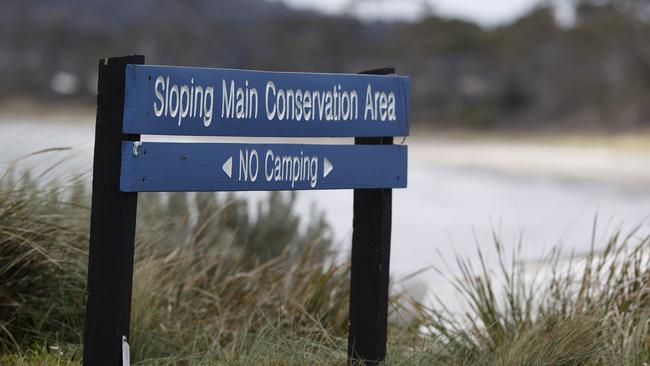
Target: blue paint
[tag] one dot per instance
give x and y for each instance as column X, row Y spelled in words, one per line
column 186, row 167
column 165, row 100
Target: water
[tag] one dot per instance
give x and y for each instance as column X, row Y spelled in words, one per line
column 460, row 192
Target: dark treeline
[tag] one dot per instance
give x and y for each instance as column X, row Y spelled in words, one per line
column 529, row 74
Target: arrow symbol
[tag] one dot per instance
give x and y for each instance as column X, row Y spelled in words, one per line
column 227, row 167
column 327, row 167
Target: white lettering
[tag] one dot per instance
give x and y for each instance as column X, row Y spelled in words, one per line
column 158, row 112
column 369, row 105
column 270, row 86
column 183, row 101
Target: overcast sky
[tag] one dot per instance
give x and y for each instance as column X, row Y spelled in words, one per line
column 486, row 12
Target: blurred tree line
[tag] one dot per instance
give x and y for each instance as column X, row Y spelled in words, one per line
column 530, row 74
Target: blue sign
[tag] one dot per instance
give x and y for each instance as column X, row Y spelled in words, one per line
column 182, row 167
column 166, row 100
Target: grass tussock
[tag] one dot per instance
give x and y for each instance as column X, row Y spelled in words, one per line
column 587, row 310
column 219, row 283
column 204, row 278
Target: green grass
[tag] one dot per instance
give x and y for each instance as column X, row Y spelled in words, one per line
column 217, row 285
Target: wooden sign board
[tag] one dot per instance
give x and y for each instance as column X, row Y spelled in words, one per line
column 164, row 100
column 188, row 167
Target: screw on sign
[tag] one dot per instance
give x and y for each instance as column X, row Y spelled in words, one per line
column 135, row 99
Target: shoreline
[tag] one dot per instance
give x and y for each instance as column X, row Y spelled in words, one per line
column 617, row 159
column 630, row 140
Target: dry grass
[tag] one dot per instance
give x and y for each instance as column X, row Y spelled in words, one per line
column 215, row 285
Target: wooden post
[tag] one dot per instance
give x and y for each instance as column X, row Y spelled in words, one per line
column 112, row 225
column 371, row 230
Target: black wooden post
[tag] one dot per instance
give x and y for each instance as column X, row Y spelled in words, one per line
column 112, row 225
column 371, row 230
